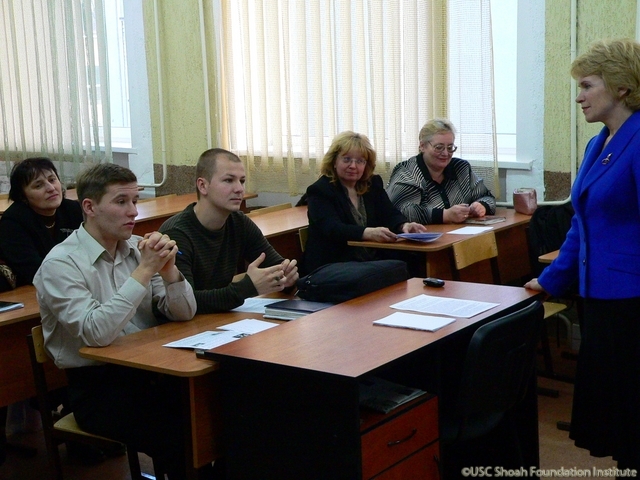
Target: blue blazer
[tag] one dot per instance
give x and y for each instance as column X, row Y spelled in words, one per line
column 602, row 248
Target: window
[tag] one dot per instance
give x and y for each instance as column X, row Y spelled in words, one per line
column 118, row 74
column 298, row 73
column 53, row 74
column 504, row 23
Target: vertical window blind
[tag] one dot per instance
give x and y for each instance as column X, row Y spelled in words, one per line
column 53, row 83
column 294, row 73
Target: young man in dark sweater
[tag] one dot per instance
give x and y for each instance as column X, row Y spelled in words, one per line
column 214, row 237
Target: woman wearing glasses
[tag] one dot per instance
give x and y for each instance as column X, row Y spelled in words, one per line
column 434, row 187
column 348, row 202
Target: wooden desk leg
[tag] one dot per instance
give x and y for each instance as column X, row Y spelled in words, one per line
column 192, row 472
column 438, row 264
column 202, row 418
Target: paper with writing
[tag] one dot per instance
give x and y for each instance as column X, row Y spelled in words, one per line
column 452, row 307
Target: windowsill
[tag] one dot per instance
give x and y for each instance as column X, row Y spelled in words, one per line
column 115, row 148
column 123, row 149
column 504, row 164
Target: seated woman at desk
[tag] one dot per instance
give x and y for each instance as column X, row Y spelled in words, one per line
column 434, row 187
column 38, row 219
column 348, row 202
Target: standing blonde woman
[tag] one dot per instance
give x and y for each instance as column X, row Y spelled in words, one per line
column 602, row 252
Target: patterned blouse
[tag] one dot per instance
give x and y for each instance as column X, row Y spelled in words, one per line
column 423, row 200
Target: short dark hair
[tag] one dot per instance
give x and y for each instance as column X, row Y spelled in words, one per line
column 93, row 182
column 206, row 166
column 24, row 172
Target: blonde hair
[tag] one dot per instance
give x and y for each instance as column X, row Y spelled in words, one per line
column 345, row 142
column 617, row 62
column 434, row 127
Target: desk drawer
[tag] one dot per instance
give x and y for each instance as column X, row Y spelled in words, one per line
column 397, row 438
column 422, row 465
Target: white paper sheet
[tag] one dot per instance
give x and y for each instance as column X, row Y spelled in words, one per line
column 452, row 307
column 206, row 340
column 227, row 333
column 470, row 230
column 255, row 305
column 414, row 322
column 249, row 325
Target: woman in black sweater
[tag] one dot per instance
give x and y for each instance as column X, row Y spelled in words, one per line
column 38, row 219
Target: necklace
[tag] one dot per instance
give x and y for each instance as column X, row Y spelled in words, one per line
column 52, row 225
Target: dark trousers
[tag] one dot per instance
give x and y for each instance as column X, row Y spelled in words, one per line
column 137, row 408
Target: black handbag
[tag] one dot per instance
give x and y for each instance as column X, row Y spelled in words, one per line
column 342, row 281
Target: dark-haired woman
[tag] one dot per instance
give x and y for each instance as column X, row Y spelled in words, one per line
column 38, row 219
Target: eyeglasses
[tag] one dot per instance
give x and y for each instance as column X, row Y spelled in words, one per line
column 440, row 147
column 349, row 161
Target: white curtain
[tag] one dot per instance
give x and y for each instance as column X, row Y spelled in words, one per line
column 470, row 86
column 294, row 73
column 54, row 99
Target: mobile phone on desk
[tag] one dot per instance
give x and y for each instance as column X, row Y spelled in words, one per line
column 433, row 282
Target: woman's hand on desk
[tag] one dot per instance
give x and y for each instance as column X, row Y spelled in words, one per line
column 534, row 285
column 413, row 227
column 378, row 234
column 476, row 209
column 456, row 214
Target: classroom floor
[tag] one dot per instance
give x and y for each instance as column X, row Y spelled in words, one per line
column 556, row 449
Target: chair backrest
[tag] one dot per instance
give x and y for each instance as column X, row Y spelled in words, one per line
column 39, row 357
column 272, row 208
column 38, row 344
column 473, row 250
column 303, row 234
column 547, row 231
column 497, row 369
